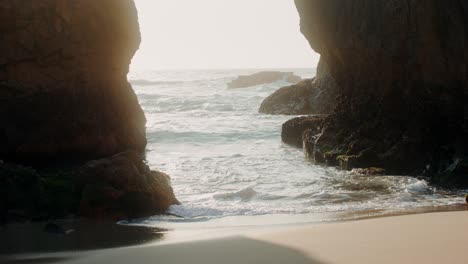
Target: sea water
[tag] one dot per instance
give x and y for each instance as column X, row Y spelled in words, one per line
column 228, row 164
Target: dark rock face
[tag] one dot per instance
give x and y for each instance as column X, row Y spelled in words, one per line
column 401, row 68
column 263, row 78
column 21, row 193
column 63, row 79
column 123, row 187
column 293, row 130
column 117, row 188
column 65, row 100
column 313, row 96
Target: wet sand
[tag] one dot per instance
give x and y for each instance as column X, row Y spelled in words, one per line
column 421, row 238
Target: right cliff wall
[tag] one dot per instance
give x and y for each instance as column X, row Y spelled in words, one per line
column 401, row 66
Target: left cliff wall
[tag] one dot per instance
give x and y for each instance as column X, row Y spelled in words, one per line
column 72, row 133
column 63, row 79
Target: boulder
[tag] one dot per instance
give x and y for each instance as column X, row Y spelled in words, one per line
column 117, row 188
column 308, row 97
column 123, row 187
column 265, row 77
column 401, row 68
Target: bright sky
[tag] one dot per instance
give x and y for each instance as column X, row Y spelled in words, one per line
column 213, row 34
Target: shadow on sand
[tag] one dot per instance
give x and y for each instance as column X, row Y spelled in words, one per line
column 235, row 250
column 36, row 238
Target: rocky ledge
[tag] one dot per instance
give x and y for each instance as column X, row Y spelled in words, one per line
column 116, row 188
column 401, row 68
column 312, row 96
column 65, row 100
column 259, row 78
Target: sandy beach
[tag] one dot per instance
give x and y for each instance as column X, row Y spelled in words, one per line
column 421, row 238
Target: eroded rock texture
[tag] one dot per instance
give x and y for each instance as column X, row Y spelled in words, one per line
column 292, row 131
column 312, row 96
column 123, row 187
column 63, row 79
column 65, row 101
column 117, row 188
column 401, row 68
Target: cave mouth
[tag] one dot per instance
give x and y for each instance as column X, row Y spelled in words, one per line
column 223, row 156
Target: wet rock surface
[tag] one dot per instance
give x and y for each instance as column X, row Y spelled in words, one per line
column 401, row 68
column 312, row 96
column 293, row 130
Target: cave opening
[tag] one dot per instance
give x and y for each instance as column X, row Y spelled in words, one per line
column 207, row 136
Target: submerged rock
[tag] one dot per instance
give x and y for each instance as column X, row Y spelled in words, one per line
column 312, row 96
column 369, row 171
column 401, row 68
column 263, row 78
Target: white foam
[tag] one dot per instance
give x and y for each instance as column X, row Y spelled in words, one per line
column 227, row 160
column 418, row 187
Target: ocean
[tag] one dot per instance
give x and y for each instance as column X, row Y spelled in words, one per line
column 229, row 167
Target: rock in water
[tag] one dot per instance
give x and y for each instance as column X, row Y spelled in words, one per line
column 293, row 130
column 263, row 78
column 308, row 97
column 401, row 68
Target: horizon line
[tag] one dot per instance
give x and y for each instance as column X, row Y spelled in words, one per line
column 220, row 68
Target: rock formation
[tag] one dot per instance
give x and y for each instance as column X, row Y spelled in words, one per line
column 245, row 81
column 118, row 187
column 292, row 132
column 123, row 187
column 64, row 94
column 312, row 96
column 63, row 79
column 401, row 69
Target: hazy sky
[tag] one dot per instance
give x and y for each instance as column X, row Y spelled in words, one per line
column 208, row 34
